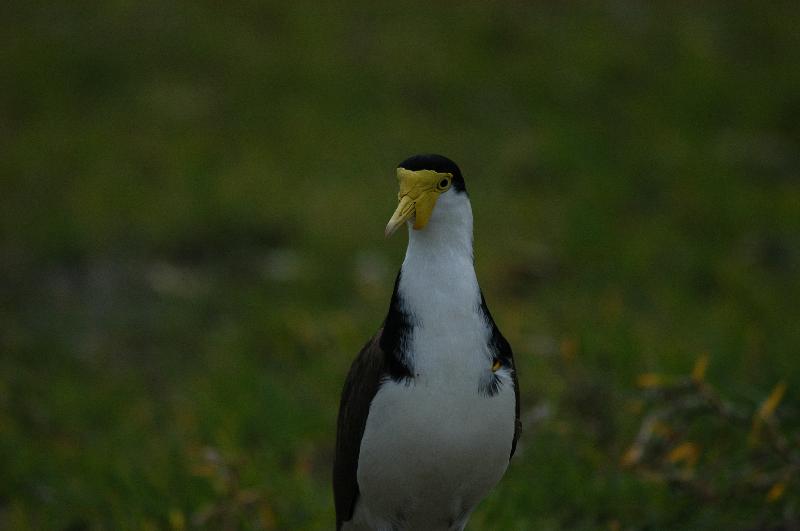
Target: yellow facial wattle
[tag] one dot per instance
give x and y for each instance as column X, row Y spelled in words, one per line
column 418, row 193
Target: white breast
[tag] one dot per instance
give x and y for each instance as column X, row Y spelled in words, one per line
column 431, row 452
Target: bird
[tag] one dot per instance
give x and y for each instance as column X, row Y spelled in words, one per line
column 429, row 411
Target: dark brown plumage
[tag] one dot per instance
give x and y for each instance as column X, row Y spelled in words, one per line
column 360, row 387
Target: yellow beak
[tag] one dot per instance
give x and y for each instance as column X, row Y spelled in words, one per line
column 419, row 191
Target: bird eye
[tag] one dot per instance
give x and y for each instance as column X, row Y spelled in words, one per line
column 444, row 183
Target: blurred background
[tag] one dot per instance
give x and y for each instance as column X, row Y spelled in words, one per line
column 193, row 198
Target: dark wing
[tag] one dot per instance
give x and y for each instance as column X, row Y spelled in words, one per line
column 517, row 422
column 502, row 349
column 360, row 387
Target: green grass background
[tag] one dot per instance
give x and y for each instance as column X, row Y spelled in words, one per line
column 193, row 196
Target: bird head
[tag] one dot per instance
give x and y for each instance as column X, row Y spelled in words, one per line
column 422, row 179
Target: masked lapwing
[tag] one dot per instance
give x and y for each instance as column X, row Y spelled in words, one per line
column 429, row 413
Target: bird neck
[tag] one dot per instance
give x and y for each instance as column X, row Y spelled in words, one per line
column 438, row 281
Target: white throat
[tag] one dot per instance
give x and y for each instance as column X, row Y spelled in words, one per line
column 438, row 281
column 439, row 290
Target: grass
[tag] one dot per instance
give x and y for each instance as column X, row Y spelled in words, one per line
column 192, row 201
